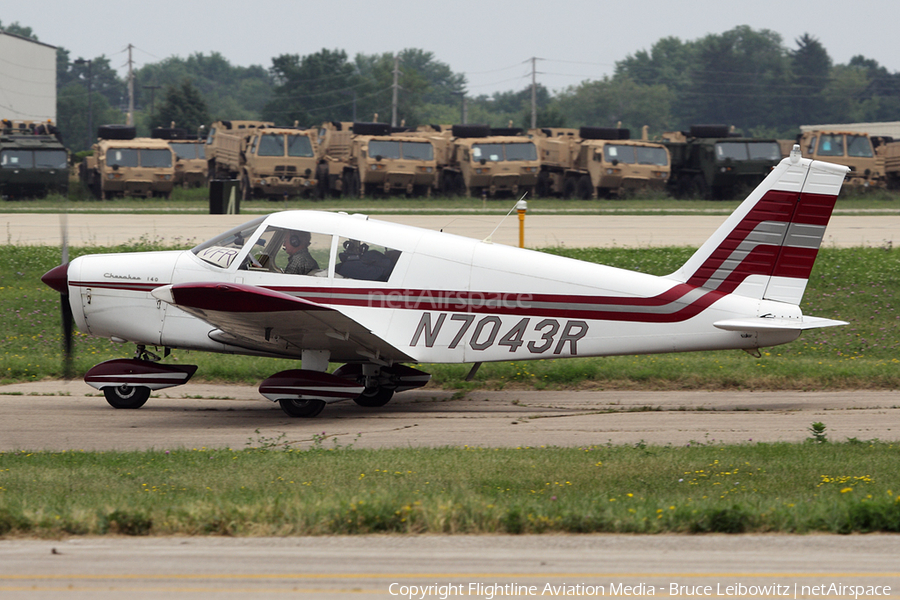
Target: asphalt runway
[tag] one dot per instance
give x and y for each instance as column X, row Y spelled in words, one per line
column 74, row 416
column 541, row 231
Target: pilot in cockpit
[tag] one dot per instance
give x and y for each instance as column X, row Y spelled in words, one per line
column 300, row 261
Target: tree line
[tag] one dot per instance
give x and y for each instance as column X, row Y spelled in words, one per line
column 746, row 78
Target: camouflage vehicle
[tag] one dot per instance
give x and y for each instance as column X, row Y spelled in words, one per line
column 363, row 159
column 33, row 161
column 271, row 162
column 125, row 165
column 709, row 162
column 597, row 162
column 480, row 161
column 852, row 149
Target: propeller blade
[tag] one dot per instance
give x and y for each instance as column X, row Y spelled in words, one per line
column 67, row 331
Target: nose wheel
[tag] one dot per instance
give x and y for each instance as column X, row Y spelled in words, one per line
column 126, row 396
column 301, row 408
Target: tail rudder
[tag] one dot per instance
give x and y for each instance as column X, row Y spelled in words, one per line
column 767, row 247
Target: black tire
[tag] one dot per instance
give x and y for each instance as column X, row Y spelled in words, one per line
column 127, row 396
column 599, row 133
column 246, row 191
column 116, row 132
column 321, row 182
column 471, row 131
column 709, row 131
column 569, row 187
column 303, row 409
column 585, row 188
column 542, row 189
column 351, row 184
column 372, row 128
column 374, row 397
column 701, row 190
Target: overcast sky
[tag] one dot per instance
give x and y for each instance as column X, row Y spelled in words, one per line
column 490, row 41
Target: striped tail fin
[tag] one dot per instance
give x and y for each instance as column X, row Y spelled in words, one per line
column 767, row 247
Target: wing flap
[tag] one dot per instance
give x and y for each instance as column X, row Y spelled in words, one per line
column 265, row 320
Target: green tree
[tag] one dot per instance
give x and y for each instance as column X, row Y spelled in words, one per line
column 740, row 78
column 311, row 89
column 618, row 100
column 230, row 92
column 811, row 69
column 183, row 106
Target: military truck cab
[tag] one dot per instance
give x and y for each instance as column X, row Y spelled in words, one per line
column 33, row 161
column 125, row 165
column 852, row 149
column 709, row 162
column 488, row 162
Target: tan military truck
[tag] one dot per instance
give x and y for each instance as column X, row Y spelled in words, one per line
column 125, row 165
column 190, row 156
column 480, row 161
column 597, row 162
column 889, row 154
column 365, row 159
column 849, row 148
column 271, row 162
column 224, row 144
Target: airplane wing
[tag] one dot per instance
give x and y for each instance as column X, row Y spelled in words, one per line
column 261, row 319
column 773, row 324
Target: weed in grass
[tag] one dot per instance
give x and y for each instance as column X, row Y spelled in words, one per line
column 817, row 433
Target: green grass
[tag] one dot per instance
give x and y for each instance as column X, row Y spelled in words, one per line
column 196, row 201
column 859, row 285
column 266, row 490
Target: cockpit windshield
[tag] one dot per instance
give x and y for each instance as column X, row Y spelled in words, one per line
column 223, row 249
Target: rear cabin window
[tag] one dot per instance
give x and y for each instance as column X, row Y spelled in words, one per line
column 361, row 260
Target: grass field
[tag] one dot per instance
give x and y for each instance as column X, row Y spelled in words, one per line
column 263, row 491
column 196, row 201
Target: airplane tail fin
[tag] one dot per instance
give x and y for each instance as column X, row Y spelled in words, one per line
column 767, row 247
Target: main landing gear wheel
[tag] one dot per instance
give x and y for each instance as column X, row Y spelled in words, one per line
column 374, row 397
column 301, row 408
column 126, row 396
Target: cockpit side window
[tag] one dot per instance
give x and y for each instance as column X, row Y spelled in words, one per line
column 290, row 251
column 223, row 249
column 361, row 260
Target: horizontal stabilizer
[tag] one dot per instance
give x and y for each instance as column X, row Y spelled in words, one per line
column 773, row 324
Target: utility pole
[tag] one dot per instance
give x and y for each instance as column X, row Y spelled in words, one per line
column 129, row 119
column 396, row 87
column 533, row 92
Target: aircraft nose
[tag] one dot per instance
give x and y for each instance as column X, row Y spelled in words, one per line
column 58, row 278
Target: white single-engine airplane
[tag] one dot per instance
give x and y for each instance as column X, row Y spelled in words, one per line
column 324, row 287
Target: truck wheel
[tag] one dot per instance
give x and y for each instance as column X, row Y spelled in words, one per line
column 700, row 189
column 569, row 185
column 351, row 184
column 246, row 191
column 585, row 188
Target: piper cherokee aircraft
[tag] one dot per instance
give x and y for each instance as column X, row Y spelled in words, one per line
column 330, row 287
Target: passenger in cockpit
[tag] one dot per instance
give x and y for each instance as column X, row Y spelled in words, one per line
column 300, row 261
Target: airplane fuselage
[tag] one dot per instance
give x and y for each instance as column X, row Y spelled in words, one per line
column 447, row 299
